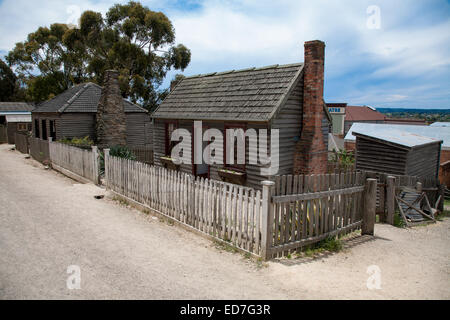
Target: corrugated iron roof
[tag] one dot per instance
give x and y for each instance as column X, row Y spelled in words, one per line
column 18, row 118
column 248, row 95
column 391, row 130
column 440, row 124
column 364, row 113
column 81, row 98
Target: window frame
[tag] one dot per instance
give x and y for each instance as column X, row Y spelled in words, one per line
column 234, row 166
column 167, row 140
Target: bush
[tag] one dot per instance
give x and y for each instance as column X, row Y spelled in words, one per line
column 116, row 151
column 85, row 142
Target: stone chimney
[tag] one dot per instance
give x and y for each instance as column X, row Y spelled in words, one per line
column 311, row 153
column 111, row 120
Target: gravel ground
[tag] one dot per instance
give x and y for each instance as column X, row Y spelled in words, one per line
column 49, row 222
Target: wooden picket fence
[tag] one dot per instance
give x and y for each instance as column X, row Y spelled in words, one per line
column 39, row 149
column 21, row 142
column 143, row 153
column 310, row 208
column 429, row 185
column 223, row 211
column 83, row 163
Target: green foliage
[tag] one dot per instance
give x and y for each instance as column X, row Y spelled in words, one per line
column 7, row 82
column 10, row 88
column 78, row 142
column 398, row 221
column 136, row 41
column 429, row 115
column 122, row 152
column 344, row 158
column 330, row 244
column 115, row 151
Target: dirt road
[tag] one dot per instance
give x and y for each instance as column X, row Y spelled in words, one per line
column 48, row 223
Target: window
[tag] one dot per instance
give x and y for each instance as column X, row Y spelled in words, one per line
column 170, row 128
column 44, row 130
column 36, row 128
column 21, row 127
column 234, row 166
column 53, row 129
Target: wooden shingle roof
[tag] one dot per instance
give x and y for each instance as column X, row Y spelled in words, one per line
column 16, row 107
column 81, row 98
column 243, row 95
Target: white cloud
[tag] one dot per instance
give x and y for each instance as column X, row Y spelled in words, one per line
column 412, row 43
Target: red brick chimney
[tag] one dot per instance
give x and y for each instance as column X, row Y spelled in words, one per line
column 311, row 153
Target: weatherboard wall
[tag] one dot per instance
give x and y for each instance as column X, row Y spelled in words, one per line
column 379, row 156
column 81, row 124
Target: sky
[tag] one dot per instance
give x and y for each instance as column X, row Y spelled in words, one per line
column 391, row 54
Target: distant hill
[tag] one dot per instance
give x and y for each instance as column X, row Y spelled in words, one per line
column 430, row 115
column 427, row 111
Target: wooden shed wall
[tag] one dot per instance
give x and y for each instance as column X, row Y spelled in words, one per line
column 424, row 161
column 47, row 116
column 139, row 132
column 380, row 157
column 253, row 171
column 77, row 125
column 70, row 125
column 289, row 122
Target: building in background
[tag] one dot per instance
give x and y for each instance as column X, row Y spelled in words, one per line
column 432, row 132
column 397, row 152
column 14, row 117
column 337, row 112
column 73, row 113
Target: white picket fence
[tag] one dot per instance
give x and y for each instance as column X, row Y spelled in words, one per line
column 82, row 162
column 224, row 211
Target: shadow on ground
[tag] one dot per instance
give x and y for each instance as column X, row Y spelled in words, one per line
column 347, row 243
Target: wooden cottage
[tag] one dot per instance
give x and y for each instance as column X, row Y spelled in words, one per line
column 73, row 114
column 284, row 97
column 14, row 117
column 398, row 152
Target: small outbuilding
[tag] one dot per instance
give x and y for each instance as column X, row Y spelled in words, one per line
column 398, row 152
column 73, row 113
column 14, row 117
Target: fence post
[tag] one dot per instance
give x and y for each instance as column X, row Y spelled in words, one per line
column 106, row 160
column 440, row 197
column 95, row 165
column 390, row 199
column 267, row 219
column 370, row 204
column 419, row 187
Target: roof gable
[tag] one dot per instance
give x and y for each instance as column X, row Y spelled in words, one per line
column 253, row 94
column 82, row 98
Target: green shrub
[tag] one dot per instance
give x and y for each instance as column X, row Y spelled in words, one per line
column 116, row 151
column 398, row 221
column 85, row 142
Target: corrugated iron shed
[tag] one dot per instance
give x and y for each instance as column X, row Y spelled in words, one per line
column 398, row 152
column 370, row 129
